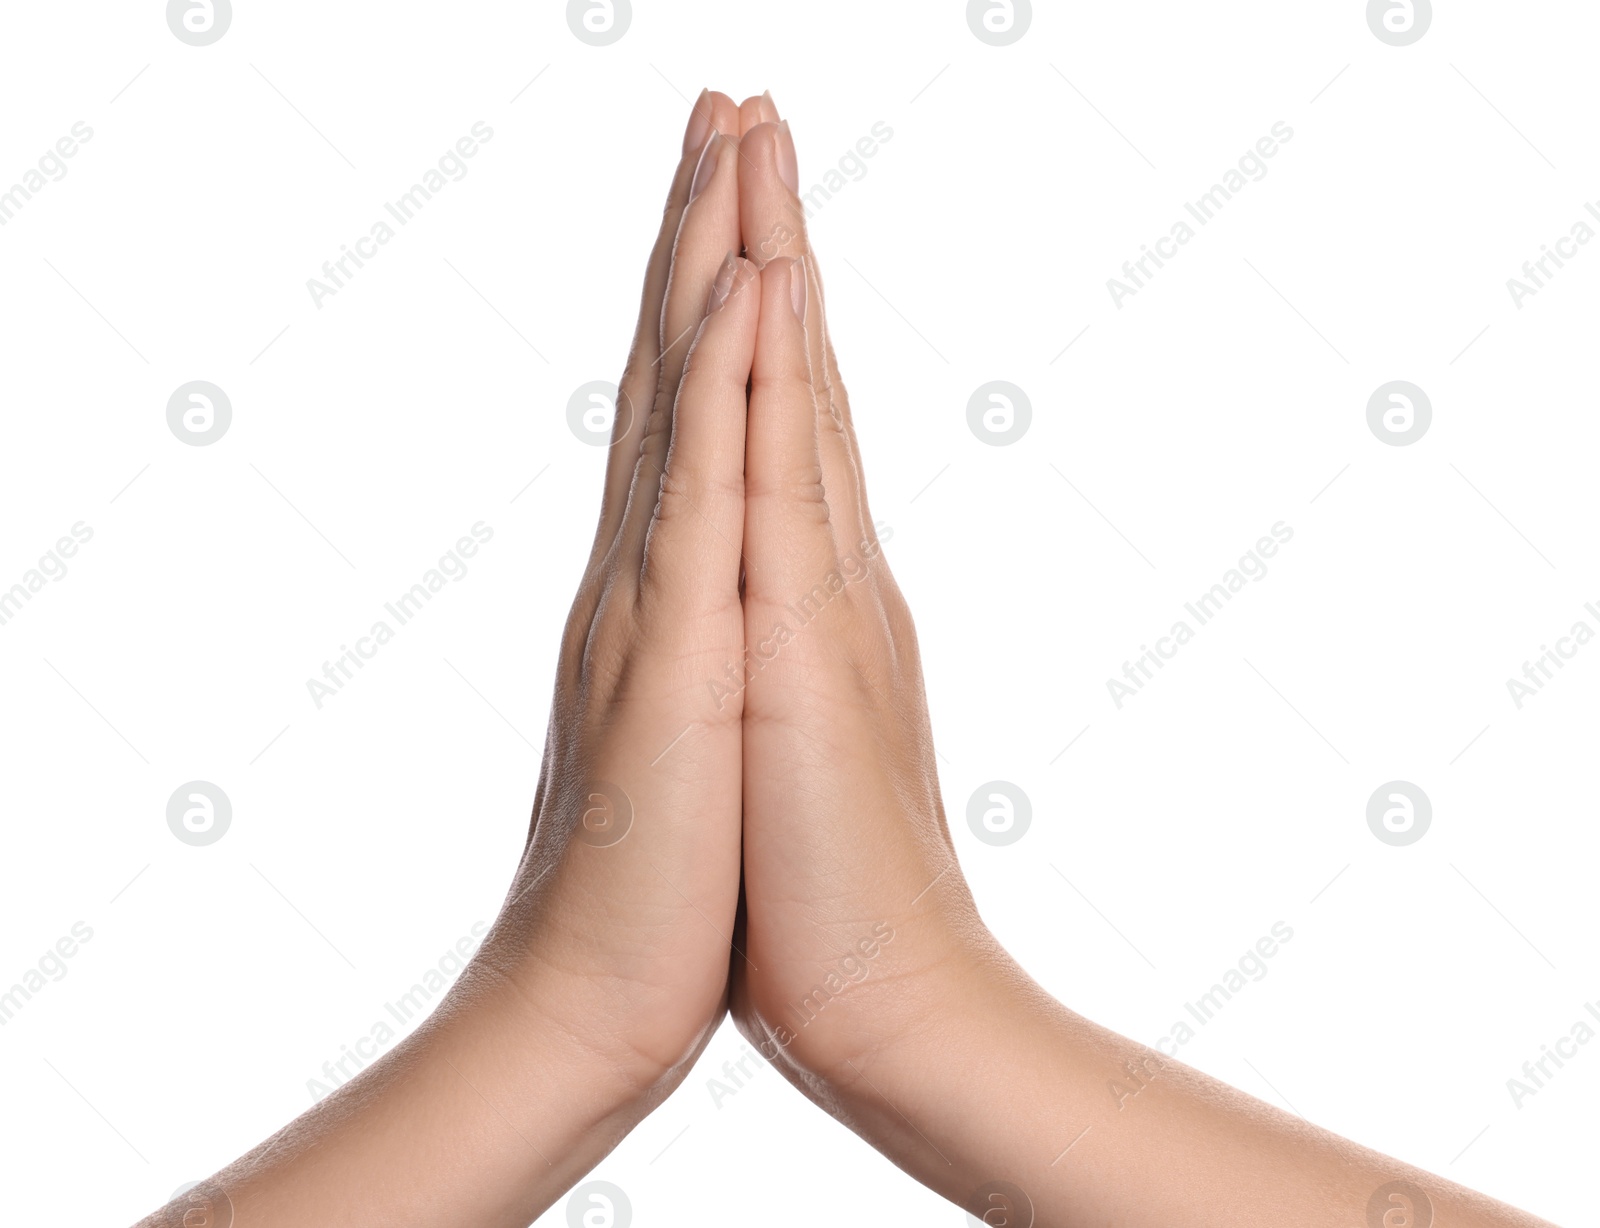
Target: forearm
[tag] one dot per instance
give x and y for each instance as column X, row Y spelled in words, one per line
column 1004, row 1085
column 484, row 1116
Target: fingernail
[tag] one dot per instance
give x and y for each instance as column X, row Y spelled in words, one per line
column 797, row 289
column 723, row 285
column 699, row 123
column 769, row 109
column 788, row 163
column 708, row 165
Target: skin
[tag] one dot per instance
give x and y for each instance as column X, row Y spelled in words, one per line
column 738, row 811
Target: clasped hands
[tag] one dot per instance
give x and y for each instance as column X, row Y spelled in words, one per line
column 739, row 809
column 739, row 692
column 738, row 813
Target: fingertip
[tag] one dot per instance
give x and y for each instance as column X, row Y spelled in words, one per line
column 750, row 114
column 699, row 127
column 724, row 113
column 788, row 159
column 711, row 113
column 745, row 275
column 710, row 159
column 783, row 303
column 772, row 213
column 733, row 278
column 771, row 153
column 757, row 109
column 760, row 142
column 721, row 284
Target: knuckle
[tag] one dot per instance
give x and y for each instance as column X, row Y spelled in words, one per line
column 685, row 490
column 657, row 430
column 791, row 384
column 801, row 486
column 605, row 661
column 832, row 400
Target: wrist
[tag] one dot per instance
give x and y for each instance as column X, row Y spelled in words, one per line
column 893, row 991
column 559, row 1033
column 502, row 1075
column 965, row 1093
column 485, row 1109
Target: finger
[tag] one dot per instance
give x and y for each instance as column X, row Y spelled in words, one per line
column 788, row 538
column 709, row 230
column 692, row 548
column 708, row 233
column 636, row 392
column 770, row 214
column 772, row 219
column 753, row 111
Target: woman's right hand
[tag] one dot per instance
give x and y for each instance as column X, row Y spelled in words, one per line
column 872, row 983
column 857, row 914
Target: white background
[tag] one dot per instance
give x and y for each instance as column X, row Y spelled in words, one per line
column 1224, row 397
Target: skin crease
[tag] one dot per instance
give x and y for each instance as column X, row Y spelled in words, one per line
column 738, row 811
